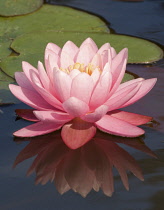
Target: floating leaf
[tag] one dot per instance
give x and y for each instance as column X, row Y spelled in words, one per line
column 19, row 7
column 12, row 64
column 5, row 47
column 49, row 18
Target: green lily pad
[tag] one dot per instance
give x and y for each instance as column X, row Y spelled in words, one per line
column 50, row 17
column 12, row 64
column 5, row 47
column 5, row 77
column 19, row 7
column 140, row 50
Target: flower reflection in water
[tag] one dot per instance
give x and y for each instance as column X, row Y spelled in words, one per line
column 86, row 168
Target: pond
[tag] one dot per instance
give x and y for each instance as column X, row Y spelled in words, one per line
column 144, row 19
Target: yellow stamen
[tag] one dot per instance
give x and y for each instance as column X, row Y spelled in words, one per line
column 80, row 66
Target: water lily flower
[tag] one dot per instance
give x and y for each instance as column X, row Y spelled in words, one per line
column 79, row 92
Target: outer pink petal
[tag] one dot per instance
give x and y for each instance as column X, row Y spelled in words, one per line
column 132, row 118
column 85, row 54
column 37, row 129
column 122, row 96
column 96, row 115
column 146, row 86
column 43, row 76
column 91, row 42
column 62, row 85
column 75, row 107
column 100, row 93
column 82, row 86
column 51, row 116
column 23, row 81
column 77, row 133
column 71, row 49
column 51, row 62
column 44, row 93
column 130, row 82
column 30, row 98
column 118, row 69
column 26, row 114
column 118, row 127
column 55, row 48
column 27, row 68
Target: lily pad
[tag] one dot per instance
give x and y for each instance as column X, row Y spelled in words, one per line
column 140, row 50
column 5, row 47
column 12, row 64
column 18, row 7
column 50, row 17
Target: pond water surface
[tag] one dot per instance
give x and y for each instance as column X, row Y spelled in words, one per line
column 18, row 192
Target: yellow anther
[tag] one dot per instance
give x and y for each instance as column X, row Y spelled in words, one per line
column 80, row 66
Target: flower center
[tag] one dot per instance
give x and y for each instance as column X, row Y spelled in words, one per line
column 80, row 66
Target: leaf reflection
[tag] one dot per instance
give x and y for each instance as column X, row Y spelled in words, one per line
column 86, row 168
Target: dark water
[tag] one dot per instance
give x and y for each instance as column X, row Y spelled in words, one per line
column 17, row 192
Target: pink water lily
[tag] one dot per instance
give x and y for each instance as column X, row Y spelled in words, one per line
column 79, row 92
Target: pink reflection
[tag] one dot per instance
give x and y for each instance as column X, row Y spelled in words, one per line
column 86, row 168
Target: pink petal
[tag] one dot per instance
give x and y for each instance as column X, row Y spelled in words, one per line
column 66, row 60
column 118, row 127
column 85, row 54
column 75, row 107
column 27, row 68
column 113, row 52
column 132, row 118
column 96, row 61
column 95, row 76
column 96, row 115
column 43, row 76
column 30, row 98
column 146, row 86
column 23, row 81
column 77, row 133
column 122, row 96
column 100, row 93
column 91, row 42
column 118, row 68
column 74, row 73
column 82, row 86
column 53, row 47
column 130, row 82
column 62, row 85
column 51, row 62
column 106, row 57
column 44, row 93
column 104, row 47
column 37, row 129
column 71, row 49
column 52, row 116
column 26, row 114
